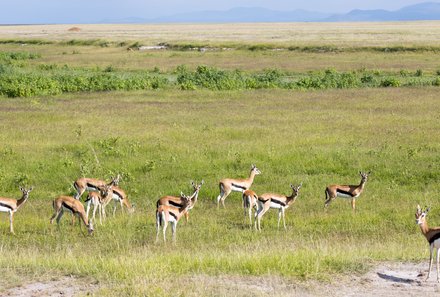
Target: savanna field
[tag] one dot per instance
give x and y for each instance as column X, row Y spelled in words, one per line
column 308, row 103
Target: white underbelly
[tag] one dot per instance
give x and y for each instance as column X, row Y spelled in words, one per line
column 4, row 209
column 436, row 243
column 341, row 195
column 275, row 205
column 236, row 189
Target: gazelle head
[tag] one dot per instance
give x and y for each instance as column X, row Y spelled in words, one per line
column 115, row 180
column 105, row 190
column 421, row 215
column 255, row 170
column 196, row 186
column 90, row 227
column 364, row 175
column 26, row 192
column 295, row 189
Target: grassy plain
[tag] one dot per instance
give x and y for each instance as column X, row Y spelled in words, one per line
column 160, row 140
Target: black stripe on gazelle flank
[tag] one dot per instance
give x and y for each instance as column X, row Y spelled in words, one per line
column 65, row 205
column 6, row 205
column 434, row 238
column 175, row 204
column 173, row 215
column 238, row 186
column 92, row 186
column 344, row 192
column 277, row 202
column 118, row 194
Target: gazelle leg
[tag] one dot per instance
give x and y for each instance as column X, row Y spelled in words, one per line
column 11, row 222
column 224, row 197
column 284, row 218
column 353, row 204
column 157, row 225
column 59, row 216
column 114, row 207
column 438, row 257
column 279, row 217
column 260, row 214
column 88, row 208
column 431, row 250
column 164, row 227
column 174, row 226
column 186, row 216
column 250, row 216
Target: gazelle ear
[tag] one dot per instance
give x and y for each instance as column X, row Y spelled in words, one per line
column 369, row 172
column 427, row 209
column 31, row 188
column 21, row 188
column 419, row 210
column 202, row 182
column 300, row 185
column 192, row 183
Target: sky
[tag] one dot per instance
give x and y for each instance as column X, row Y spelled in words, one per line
column 92, row 11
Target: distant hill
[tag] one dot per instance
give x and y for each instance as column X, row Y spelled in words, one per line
column 422, row 11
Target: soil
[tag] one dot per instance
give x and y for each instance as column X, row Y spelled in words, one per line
column 386, row 279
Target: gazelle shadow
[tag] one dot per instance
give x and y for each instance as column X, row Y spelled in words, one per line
column 397, row 279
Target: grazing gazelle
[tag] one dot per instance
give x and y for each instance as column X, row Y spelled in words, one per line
column 91, row 184
column 169, row 214
column 344, row 191
column 71, row 204
column 120, row 196
column 227, row 185
column 277, row 201
column 178, row 201
column 433, row 237
column 10, row 205
column 250, row 199
column 98, row 200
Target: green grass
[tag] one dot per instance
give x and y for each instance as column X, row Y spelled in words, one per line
column 160, row 140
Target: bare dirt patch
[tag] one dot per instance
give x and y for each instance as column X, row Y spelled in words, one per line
column 385, row 279
column 64, row 286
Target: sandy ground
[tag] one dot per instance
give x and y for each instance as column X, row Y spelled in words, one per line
column 64, row 286
column 386, row 279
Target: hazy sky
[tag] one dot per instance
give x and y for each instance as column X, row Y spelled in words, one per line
column 86, row 11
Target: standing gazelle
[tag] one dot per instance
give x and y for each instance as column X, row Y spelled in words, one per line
column 277, row 201
column 119, row 196
column 178, row 201
column 10, row 206
column 92, row 184
column 227, row 185
column 98, row 200
column 250, row 201
column 432, row 235
column 169, row 214
column 74, row 206
column 344, row 191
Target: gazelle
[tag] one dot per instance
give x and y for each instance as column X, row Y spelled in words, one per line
column 74, row 206
column 120, row 196
column 227, row 185
column 277, row 201
column 433, row 237
column 98, row 200
column 344, row 191
column 250, row 199
column 169, row 214
column 178, row 201
column 11, row 206
column 92, row 184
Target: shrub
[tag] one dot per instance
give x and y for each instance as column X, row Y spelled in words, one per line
column 390, row 82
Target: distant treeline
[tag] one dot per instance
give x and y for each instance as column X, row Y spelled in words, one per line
column 51, row 79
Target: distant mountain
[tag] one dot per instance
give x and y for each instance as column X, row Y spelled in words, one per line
column 245, row 15
column 422, row 11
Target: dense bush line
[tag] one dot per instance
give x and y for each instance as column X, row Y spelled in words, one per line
column 18, row 78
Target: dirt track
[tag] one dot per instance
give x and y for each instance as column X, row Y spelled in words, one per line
column 386, row 279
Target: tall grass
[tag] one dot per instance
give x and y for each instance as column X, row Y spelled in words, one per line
column 159, row 141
